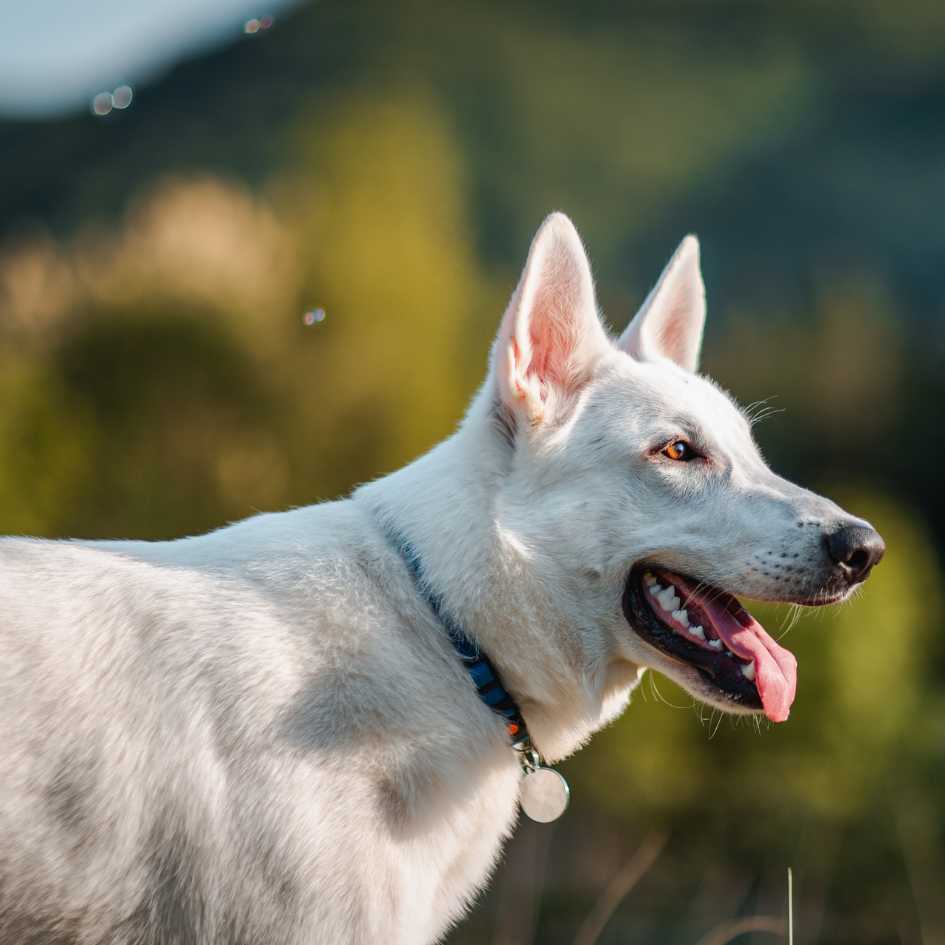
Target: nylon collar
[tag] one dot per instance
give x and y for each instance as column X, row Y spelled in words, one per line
column 483, row 674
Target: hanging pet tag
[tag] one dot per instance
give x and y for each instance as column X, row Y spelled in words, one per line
column 544, row 794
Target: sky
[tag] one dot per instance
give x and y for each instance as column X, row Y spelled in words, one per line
column 56, row 55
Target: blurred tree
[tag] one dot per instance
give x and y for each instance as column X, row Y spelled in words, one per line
column 169, row 397
column 45, row 453
column 385, row 252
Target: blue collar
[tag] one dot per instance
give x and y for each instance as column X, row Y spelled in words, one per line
column 478, row 665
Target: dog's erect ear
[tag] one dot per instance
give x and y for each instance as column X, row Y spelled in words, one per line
column 551, row 336
column 670, row 321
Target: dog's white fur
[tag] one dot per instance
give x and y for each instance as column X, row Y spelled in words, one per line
column 263, row 734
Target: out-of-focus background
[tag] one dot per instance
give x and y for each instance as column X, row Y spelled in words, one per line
column 251, row 256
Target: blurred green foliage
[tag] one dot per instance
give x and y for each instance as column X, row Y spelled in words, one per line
column 387, row 165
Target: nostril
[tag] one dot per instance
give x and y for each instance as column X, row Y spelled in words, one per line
column 859, row 560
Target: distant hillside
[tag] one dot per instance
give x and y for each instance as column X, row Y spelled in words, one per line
column 794, row 140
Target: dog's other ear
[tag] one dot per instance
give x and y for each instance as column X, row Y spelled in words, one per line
column 670, row 321
column 551, row 335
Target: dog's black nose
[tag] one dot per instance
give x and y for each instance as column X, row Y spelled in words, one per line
column 855, row 549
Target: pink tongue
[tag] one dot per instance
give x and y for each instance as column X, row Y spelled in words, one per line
column 775, row 667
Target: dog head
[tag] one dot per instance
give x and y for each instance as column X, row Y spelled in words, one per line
column 639, row 492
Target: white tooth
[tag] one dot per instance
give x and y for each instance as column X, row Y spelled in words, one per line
column 748, row 670
column 682, row 616
column 667, row 598
column 715, row 644
column 697, row 632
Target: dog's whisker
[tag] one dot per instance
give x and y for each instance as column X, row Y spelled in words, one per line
column 755, row 406
column 717, row 715
column 790, row 620
column 661, row 697
column 767, row 414
column 704, row 591
column 760, row 410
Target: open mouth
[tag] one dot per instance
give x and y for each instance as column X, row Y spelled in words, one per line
column 707, row 629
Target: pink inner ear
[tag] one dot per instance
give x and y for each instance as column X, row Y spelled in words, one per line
column 674, row 334
column 554, row 329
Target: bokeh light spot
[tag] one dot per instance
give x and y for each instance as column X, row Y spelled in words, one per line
column 122, row 96
column 313, row 317
column 258, row 24
column 102, row 104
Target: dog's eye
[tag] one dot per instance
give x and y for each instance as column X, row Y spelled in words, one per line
column 680, row 451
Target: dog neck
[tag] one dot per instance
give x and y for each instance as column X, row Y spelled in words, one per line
column 559, row 669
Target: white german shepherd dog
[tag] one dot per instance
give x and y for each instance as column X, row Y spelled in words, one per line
column 266, row 735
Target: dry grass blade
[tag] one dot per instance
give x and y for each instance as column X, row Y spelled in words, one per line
column 619, row 888
column 728, row 931
column 790, row 906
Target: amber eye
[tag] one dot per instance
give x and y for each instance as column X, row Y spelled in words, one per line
column 680, row 451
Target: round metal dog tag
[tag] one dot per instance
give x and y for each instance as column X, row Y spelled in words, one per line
column 544, row 795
